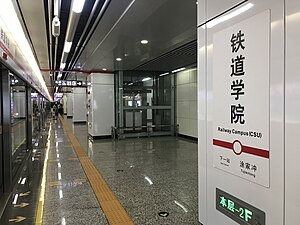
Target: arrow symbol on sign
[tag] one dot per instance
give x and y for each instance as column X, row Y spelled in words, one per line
column 55, row 183
column 163, row 214
column 18, row 219
column 78, row 83
column 80, row 180
column 22, row 205
column 25, row 194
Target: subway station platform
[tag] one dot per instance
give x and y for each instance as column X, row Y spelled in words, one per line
column 71, row 179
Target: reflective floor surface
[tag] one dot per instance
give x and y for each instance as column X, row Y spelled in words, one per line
column 154, row 179
column 22, row 205
column 148, row 175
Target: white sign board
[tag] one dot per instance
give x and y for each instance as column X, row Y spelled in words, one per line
column 241, row 99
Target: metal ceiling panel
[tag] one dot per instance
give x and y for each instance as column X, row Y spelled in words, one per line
column 33, row 13
column 177, row 58
column 34, row 18
column 166, row 24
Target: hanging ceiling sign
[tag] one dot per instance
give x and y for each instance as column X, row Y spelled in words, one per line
column 68, row 83
column 241, row 94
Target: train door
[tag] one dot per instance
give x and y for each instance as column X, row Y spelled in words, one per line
column 1, row 147
column 1, row 158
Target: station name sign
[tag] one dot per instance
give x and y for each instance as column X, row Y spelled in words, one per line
column 238, row 210
column 68, row 83
column 241, row 104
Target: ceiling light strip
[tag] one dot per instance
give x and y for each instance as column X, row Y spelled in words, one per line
column 146, row 79
column 77, row 6
column 164, row 74
column 10, row 20
column 67, row 46
column 178, row 70
column 74, row 16
column 82, row 42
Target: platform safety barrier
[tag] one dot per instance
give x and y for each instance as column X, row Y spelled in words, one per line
column 118, row 132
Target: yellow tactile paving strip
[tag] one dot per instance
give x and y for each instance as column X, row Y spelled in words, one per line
column 115, row 213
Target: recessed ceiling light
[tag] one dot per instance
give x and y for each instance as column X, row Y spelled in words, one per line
column 146, row 79
column 119, row 59
column 144, row 42
column 104, row 69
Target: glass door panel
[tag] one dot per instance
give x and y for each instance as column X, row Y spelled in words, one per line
column 147, row 103
column 18, row 109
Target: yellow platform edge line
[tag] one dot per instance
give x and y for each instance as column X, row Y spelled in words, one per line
column 40, row 206
column 91, row 172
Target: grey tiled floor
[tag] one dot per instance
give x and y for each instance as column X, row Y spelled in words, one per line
column 148, row 175
column 72, row 202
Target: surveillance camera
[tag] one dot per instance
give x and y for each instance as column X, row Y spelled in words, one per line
column 55, row 27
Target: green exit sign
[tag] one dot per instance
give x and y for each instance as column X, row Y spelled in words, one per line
column 238, row 210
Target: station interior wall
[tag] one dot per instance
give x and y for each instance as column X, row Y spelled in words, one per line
column 79, row 105
column 65, row 104
column 186, row 102
column 280, row 200
column 101, row 112
column 69, row 104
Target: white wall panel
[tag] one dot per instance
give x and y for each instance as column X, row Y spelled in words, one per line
column 202, row 113
column 79, row 105
column 101, row 110
column 65, row 104
column 193, row 75
column 292, row 113
column 183, row 126
column 183, row 109
column 183, row 77
column 270, row 200
column 193, row 110
column 193, row 91
column 69, row 104
column 183, row 92
column 186, row 101
column 193, row 127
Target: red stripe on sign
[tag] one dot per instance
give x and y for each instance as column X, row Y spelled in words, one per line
column 256, row 151
column 245, row 149
column 223, row 144
column 6, row 50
